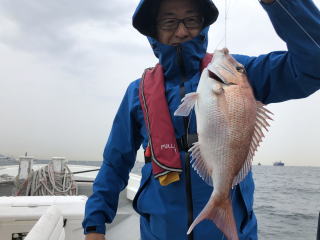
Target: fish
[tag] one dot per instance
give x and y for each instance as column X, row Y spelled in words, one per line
column 230, row 126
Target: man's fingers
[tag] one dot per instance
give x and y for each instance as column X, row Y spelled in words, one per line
column 95, row 236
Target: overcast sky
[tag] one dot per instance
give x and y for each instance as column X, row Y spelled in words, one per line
column 65, row 65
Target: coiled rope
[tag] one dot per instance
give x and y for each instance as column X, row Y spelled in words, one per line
column 45, row 181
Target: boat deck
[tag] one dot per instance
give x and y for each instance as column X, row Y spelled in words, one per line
column 126, row 223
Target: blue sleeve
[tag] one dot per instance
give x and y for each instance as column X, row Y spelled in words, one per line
column 118, row 159
column 283, row 75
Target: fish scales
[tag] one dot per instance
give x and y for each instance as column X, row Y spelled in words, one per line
column 229, row 122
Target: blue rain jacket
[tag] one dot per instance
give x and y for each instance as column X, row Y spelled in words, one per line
column 275, row 77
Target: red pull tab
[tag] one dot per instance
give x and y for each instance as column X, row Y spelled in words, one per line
column 147, row 153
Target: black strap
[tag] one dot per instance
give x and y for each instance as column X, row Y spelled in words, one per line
column 185, row 142
column 189, row 193
column 318, row 231
column 188, row 179
column 185, row 145
column 147, row 159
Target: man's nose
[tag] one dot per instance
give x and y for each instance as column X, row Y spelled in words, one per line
column 182, row 31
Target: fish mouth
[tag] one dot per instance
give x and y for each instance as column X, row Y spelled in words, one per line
column 216, row 77
column 219, row 79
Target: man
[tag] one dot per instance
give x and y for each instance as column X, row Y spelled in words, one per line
column 177, row 31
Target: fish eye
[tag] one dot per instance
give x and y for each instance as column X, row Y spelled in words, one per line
column 241, row 69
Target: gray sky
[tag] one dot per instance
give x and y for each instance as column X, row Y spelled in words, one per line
column 65, row 65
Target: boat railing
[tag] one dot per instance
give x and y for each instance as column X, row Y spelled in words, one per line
column 48, row 227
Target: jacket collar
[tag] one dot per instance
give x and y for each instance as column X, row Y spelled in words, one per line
column 181, row 61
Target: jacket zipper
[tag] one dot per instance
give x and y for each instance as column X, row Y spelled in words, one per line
column 183, row 77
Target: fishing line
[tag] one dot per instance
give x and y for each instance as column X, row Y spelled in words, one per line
column 225, row 41
column 224, row 34
column 226, row 14
column 225, row 23
column 297, row 22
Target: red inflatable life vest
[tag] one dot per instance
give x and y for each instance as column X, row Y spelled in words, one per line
column 162, row 147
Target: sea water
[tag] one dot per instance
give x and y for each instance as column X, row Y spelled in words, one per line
column 287, row 202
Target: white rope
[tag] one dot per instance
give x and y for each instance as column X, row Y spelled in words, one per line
column 45, row 181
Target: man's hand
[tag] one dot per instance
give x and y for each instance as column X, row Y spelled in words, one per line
column 267, row 1
column 95, row 236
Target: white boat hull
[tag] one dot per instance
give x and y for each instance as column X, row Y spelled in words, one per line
column 19, row 214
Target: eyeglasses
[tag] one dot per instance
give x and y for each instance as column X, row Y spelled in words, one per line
column 173, row 23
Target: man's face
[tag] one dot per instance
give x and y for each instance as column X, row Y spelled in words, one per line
column 169, row 12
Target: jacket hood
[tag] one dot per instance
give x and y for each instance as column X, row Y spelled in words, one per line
column 144, row 17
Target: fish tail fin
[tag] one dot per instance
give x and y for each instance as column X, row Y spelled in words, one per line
column 222, row 215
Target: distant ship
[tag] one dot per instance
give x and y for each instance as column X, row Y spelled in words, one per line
column 259, row 164
column 278, row 163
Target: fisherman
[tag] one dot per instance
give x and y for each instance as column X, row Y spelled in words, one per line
column 171, row 194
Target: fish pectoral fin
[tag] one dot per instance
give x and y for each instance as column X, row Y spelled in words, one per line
column 200, row 165
column 187, row 104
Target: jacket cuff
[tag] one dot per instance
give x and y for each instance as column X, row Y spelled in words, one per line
column 267, row 5
column 95, row 229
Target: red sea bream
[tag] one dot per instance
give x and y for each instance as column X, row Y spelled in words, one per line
column 229, row 125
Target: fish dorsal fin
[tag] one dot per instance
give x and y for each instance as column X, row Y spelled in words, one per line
column 200, row 165
column 187, row 104
column 263, row 115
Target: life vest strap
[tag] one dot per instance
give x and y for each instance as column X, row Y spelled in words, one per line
column 186, row 142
